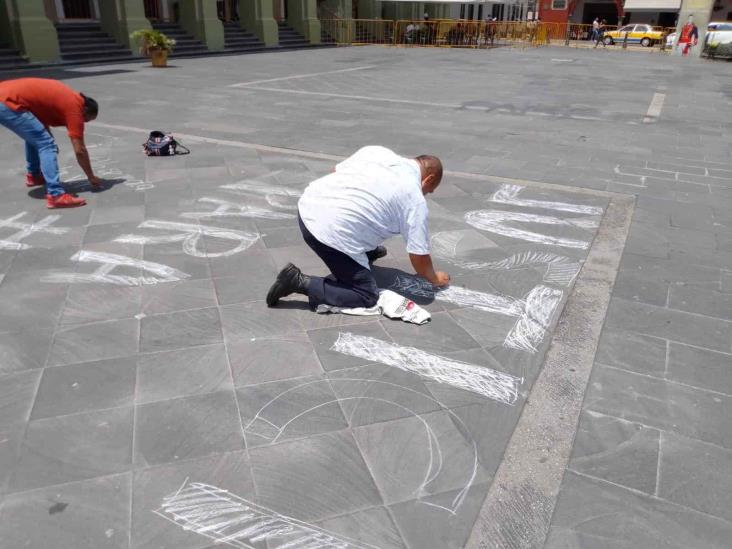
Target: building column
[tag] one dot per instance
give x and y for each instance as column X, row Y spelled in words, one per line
column 368, row 9
column 28, row 30
column 302, row 15
column 257, row 16
column 701, row 11
column 340, row 8
column 121, row 18
column 201, row 19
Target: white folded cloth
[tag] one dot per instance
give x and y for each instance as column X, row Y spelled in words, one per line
column 390, row 304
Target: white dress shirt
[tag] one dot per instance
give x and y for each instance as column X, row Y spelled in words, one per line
column 372, row 195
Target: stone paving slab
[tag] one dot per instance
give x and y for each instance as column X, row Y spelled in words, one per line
column 254, row 400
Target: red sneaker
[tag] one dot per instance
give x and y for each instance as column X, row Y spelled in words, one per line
column 65, row 200
column 34, row 180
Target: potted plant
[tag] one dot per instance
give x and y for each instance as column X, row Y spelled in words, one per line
column 154, row 44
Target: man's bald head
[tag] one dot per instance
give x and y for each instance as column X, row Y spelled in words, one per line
column 431, row 172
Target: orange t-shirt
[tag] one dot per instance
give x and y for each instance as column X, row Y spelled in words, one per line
column 53, row 103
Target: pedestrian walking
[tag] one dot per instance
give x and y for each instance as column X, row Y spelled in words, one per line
column 601, row 34
column 595, row 29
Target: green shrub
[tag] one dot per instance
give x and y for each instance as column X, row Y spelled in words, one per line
column 149, row 40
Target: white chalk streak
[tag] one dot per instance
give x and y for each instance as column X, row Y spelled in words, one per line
column 110, row 262
column 492, row 303
column 230, row 519
column 256, row 187
column 298, row 76
column 278, row 422
column 534, row 313
column 654, row 109
column 462, row 297
column 444, row 244
column 190, row 234
column 277, row 197
column 477, row 379
column 561, row 274
column 559, row 269
column 496, row 221
column 227, row 208
column 508, row 194
column 529, row 330
column 13, row 242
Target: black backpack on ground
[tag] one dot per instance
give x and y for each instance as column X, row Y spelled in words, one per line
column 163, row 144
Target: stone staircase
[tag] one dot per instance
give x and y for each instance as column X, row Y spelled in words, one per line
column 86, row 42
column 185, row 44
column 237, row 39
column 289, row 37
column 10, row 58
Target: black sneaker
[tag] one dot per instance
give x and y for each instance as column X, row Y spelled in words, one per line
column 376, row 253
column 289, row 281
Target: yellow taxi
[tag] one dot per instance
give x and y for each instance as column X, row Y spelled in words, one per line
column 645, row 35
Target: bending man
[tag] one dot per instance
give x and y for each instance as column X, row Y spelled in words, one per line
column 346, row 216
column 29, row 107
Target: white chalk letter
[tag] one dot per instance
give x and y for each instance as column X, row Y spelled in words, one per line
column 190, row 234
column 13, row 242
column 110, row 262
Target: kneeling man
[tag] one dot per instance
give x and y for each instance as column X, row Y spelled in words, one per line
column 346, row 216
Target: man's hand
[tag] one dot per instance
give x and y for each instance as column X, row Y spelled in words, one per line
column 423, row 266
column 82, row 157
column 441, row 279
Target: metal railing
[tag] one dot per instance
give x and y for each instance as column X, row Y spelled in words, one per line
column 464, row 34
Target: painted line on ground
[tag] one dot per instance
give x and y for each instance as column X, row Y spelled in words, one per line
column 654, row 109
column 518, row 509
column 298, row 76
column 229, row 143
column 359, row 97
column 337, row 158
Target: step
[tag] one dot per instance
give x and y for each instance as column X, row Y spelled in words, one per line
column 186, row 40
column 242, row 42
column 260, row 47
column 12, row 59
column 96, row 55
column 82, row 35
column 101, row 46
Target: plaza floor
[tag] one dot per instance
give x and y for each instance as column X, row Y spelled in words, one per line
column 571, row 390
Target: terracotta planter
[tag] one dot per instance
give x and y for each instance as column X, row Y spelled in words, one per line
column 159, row 58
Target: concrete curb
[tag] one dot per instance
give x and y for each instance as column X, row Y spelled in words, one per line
column 518, row 509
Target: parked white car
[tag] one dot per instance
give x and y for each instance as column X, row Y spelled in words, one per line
column 718, row 40
column 670, row 39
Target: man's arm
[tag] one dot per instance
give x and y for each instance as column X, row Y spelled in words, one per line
column 82, row 157
column 423, row 266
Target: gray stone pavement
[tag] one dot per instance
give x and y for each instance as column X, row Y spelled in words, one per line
column 138, row 383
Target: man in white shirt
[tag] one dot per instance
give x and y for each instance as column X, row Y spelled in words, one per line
column 346, row 216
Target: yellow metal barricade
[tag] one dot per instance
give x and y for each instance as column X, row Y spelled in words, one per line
column 416, row 33
column 451, row 33
column 373, row 31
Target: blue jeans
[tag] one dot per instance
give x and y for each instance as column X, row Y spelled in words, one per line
column 350, row 285
column 40, row 148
